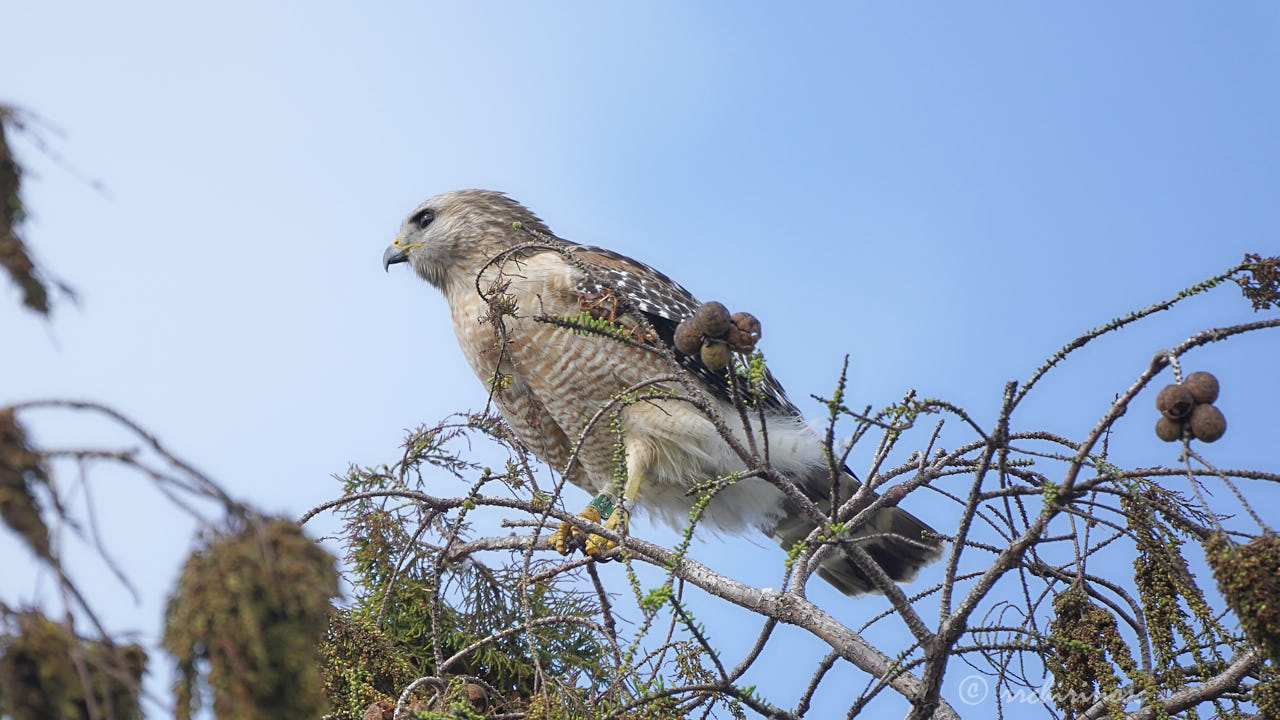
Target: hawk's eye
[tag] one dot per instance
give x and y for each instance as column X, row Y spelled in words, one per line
column 423, row 218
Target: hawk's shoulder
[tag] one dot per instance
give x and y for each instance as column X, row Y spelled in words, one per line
column 663, row 303
column 646, row 290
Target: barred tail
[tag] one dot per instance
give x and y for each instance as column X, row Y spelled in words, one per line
column 900, row 542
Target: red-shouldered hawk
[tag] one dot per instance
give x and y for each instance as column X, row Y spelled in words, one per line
column 550, row 379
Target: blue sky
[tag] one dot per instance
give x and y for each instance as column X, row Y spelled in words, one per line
column 946, row 193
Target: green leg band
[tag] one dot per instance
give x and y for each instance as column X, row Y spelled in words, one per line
column 603, row 503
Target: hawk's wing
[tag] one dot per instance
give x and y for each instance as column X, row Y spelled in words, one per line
column 664, row 303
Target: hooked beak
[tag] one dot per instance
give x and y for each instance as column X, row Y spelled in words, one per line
column 394, row 254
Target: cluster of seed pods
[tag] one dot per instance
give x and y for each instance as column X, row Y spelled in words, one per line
column 713, row 334
column 1189, row 405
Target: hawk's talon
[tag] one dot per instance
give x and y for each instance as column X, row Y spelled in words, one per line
column 598, row 545
column 568, row 537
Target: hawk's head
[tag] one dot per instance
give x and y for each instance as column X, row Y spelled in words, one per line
column 448, row 238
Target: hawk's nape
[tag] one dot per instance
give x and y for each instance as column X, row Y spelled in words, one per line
column 462, row 242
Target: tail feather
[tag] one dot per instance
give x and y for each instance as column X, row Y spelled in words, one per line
column 900, row 542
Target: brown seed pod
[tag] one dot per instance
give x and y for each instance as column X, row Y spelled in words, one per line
column 1175, row 402
column 688, row 339
column 712, row 319
column 1207, row 423
column 748, row 328
column 739, row 341
column 716, row 355
column 1168, row 430
column 1203, row 386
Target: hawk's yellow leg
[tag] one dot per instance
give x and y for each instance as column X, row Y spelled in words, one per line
column 567, row 537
